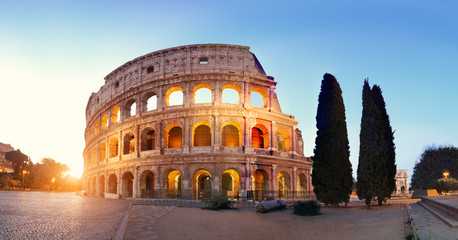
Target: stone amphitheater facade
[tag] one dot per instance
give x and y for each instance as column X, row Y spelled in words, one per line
column 179, row 123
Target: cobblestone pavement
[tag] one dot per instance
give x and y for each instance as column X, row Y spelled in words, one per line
column 429, row 226
column 43, row 215
column 141, row 220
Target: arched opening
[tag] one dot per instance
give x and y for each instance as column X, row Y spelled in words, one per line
column 174, row 184
column 202, row 136
column 104, row 121
column 127, row 184
column 259, row 184
column 403, row 189
column 147, row 184
column 202, row 184
column 102, row 185
column 113, row 147
column 112, row 184
column 175, row 139
column 94, row 185
column 129, row 143
column 202, row 93
column 231, row 136
column 230, row 182
column 174, row 96
column 94, row 155
column 130, row 108
column 91, row 132
column 259, row 136
column 256, row 100
column 151, row 102
column 231, row 95
column 102, row 151
column 283, row 185
column 301, row 186
column 116, row 114
column 148, row 139
column 283, row 140
column 96, row 127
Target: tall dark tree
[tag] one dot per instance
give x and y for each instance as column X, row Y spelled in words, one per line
column 376, row 167
column 388, row 153
column 332, row 171
column 432, row 164
column 367, row 169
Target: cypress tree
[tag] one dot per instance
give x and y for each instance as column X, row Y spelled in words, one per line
column 388, row 151
column 332, row 171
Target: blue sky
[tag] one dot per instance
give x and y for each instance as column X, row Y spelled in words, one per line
column 53, row 54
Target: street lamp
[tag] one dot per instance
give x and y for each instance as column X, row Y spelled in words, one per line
column 53, row 179
column 23, row 174
column 446, row 174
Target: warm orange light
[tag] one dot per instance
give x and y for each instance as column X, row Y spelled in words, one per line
column 53, row 179
column 446, row 174
column 24, row 172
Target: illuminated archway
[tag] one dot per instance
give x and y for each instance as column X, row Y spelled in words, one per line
column 116, row 114
column 173, row 184
column 283, row 185
column 230, row 183
column 202, row 184
column 201, row 134
column 102, row 151
column 202, row 93
column 104, row 121
column 259, row 184
column 231, row 136
column 258, row 98
column 114, row 147
column 129, row 143
column 174, row 136
column 301, row 185
column 94, row 185
column 127, row 184
column 112, row 184
column 231, row 94
column 174, row 96
column 147, row 184
column 283, row 140
column 259, row 136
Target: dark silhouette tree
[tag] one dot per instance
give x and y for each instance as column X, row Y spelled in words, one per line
column 432, row 164
column 332, row 171
column 376, row 167
column 19, row 160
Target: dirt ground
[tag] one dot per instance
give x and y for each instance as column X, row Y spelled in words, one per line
column 351, row 222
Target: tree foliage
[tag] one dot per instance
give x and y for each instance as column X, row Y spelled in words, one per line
column 376, row 167
column 20, row 162
column 432, row 164
column 332, row 171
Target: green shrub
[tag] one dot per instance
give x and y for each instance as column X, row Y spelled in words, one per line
column 309, row 208
column 217, row 203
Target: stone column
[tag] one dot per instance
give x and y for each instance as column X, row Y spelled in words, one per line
column 119, row 187
column 273, row 178
column 135, row 184
column 106, row 182
column 294, row 183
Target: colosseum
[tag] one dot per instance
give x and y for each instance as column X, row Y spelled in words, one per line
column 192, row 122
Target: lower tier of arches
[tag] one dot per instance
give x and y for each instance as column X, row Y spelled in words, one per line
column 256, row 182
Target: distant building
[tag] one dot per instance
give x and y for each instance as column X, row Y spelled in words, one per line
column 5, row 166
column 402, row 182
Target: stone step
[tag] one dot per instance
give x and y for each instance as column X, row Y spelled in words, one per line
column 439, row 213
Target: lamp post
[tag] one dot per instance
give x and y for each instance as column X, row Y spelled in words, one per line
column 23, row 174
column 446, row 174
column 53, row 179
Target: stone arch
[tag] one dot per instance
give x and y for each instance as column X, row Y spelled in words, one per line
column 231, row 136
column 116, row 115
column 259, row 136
column 231, row 94
column 96, row 127
column 230, row 183
column 102, row 151
column 174, row 135
column 149, row 102
column 259, row 184
column 201, row 134
column 202, row 184
column 175, row 99
column 148, row 139
column 301, row 185
column 104, row 123
column 130, row 109
column 113, row 184
column 263, row 96
column 114, row 146
column 102, row 185
column 283, row 140
column 202, row 93
column 129, row 143
column 147, row 184
column 283, row 185
column 127, row 184
column 173, row 183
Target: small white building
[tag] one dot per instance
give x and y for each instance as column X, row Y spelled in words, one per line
column 402, row 182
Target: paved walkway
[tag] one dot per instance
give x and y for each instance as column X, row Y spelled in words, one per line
column 44, row 215
column 429, row 226
column 141, row 220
